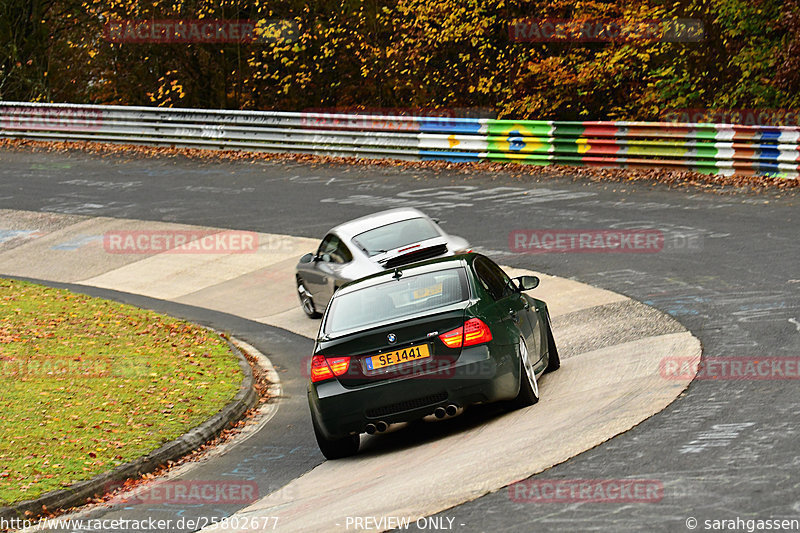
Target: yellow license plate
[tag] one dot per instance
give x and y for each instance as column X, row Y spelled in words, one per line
column 428, row 291
column 412, row 353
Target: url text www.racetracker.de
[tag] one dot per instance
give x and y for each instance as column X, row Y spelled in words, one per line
column 259, row 523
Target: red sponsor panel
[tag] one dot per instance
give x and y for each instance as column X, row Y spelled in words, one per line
column 598, row 147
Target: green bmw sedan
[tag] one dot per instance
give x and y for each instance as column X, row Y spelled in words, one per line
column 427, row 339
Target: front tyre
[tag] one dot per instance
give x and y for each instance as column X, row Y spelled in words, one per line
column 553, row 361
column 528, row 386
column 335, row 448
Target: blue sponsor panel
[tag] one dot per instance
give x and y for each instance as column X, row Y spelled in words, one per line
column 768, row 154
column 449, row 125
column 766, row 169
column 770, row 135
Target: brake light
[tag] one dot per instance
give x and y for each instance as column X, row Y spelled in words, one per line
column 323, row 368
column 339, row 365
column 320, row 370
column 474, row 331
column 454, row 338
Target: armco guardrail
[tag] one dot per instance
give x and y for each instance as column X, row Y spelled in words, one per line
column 709, row 148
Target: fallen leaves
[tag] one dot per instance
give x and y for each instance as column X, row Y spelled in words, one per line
column 646, row 174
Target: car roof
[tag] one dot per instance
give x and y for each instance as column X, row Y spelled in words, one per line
column 431, row 265
column 354, row 227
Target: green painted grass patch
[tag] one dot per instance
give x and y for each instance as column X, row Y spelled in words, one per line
column 87, row 384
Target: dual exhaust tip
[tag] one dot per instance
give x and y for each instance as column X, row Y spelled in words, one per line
column 450, row 410
column 377, row 427
column 439, row 412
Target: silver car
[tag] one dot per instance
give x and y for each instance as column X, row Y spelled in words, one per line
column 366, row 246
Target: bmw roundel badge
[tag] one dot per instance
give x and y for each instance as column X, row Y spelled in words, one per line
column 392, row 338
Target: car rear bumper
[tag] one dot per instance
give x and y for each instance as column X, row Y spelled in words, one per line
column 476, row 377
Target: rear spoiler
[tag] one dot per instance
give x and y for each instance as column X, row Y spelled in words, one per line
column 417, row 254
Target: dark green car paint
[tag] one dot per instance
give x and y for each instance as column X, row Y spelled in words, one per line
column 483, row 373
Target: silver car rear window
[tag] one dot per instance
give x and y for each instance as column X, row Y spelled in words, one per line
column 395, row 235
column 395, row 299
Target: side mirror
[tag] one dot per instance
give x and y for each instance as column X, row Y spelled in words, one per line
column 526, row 283
column 307, row 258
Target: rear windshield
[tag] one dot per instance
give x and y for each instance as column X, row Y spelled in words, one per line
column 391, row 236
column 396, row 299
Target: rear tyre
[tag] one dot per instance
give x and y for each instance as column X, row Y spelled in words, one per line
column 336, row 448
column 528, row 386
column 306, row 301
column 553, row 361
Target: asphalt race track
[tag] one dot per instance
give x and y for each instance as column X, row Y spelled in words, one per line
column 728, row 273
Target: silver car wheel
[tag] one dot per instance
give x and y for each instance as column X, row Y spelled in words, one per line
column 305, row 300
column 523, row 350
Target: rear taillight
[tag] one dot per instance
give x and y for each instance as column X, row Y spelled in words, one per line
column 454, row 338
column 323, row 368
column 339, row 365
column 474, row 331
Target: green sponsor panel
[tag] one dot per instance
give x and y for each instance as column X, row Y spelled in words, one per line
column 703, row 152
column 569, row 129
column 526, row 128
column 570, row 146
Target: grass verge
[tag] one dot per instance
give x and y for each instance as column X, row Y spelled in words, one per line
column 87, row 384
